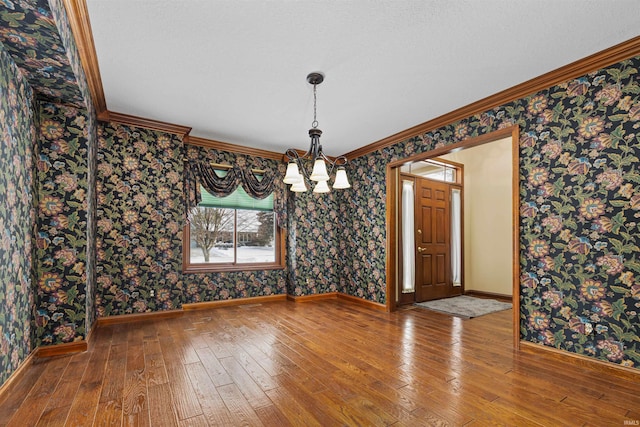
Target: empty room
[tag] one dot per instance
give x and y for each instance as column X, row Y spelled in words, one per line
column 319, row 213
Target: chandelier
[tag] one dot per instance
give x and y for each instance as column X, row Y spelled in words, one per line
column 297, row 175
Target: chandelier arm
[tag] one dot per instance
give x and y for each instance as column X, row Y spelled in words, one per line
column 322, row 156
column 292, row 154
column 330, row 168
column 341, row 161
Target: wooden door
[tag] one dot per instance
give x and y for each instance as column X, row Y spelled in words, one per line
column 433, row 252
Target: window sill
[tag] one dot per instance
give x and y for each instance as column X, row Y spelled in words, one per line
column 209, row 268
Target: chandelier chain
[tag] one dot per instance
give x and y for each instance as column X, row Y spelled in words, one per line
column 314, row 124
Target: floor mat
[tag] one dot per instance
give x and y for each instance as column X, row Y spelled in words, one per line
column 465, row 306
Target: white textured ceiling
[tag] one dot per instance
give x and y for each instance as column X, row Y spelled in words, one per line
column 235, row 70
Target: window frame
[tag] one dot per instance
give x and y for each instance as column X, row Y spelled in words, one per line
column 278, row 264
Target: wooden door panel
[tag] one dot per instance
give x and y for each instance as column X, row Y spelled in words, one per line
column 425, row 237
column 440, row 272
column 432, row 240
column 427, row 273
column 439, row 227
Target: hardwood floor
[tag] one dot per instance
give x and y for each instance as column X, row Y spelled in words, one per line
column 318, row 363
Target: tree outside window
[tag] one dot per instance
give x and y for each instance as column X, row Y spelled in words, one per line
column 207, row 225
column 232, row 230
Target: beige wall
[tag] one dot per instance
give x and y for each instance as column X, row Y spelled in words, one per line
column 488, row 224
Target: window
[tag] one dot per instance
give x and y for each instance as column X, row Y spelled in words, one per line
column 432, row 169
column 231, row 233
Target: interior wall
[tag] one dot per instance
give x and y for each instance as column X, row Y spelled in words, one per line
column 74, row 91
column 141, row 212
column 92, row 142
column 579, row 200
column 17, row 215
column 488, row 224
column 61, row 224
column 40, row 42
column 139, row 220
column 315, row 244
column 361, row 215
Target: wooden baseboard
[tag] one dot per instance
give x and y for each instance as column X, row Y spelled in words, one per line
column 66, row 348
column 137, row 317
column 492, row 295
column 127, row 318
column 338, row 295
column 363, row 302
column 61, row 349
column 231, row 302
column 312, row 297
column 17, row 375
column 600, row 366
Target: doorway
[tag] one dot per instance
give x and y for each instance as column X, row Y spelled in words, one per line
column 394, row 280
column 430, row 230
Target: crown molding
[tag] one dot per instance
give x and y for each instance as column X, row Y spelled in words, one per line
column 239, row 149
column 126, row 119
column 604, row 58
column 78, row 16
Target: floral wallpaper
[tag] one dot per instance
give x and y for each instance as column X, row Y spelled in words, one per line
column 61, row 241
column 92, row 148
column 233, row 284
column 140, row 213
column 579, row 207
column 30, row 35
column 37, row 36
column 78, row 77
column 315, row 239
column 64, row 30
column 362, row 213
column 580, row 240
column 17, row 215
column 139, row 220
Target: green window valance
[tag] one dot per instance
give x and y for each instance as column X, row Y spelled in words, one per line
column 239, row 199
column 257, row 177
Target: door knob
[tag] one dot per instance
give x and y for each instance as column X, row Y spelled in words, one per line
column 420, row 249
